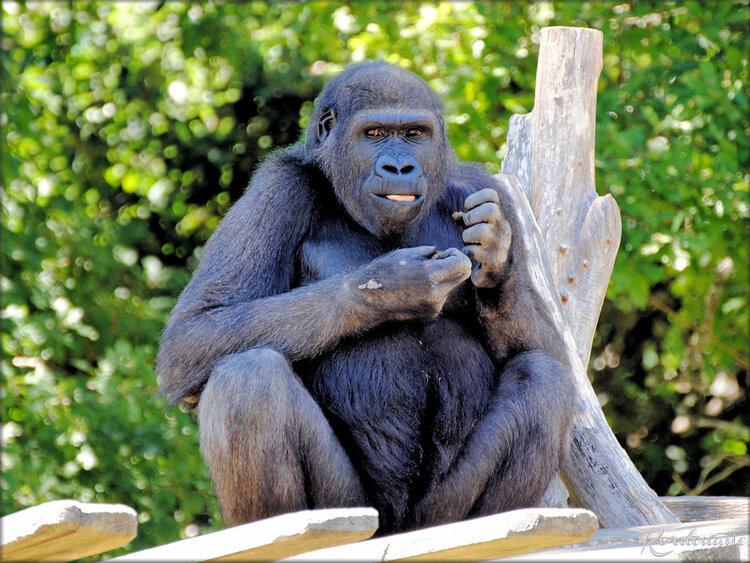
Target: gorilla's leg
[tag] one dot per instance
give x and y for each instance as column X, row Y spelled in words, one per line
column 514, row 450
column 267, row 444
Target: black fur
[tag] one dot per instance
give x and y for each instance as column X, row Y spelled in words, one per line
column 340, row 352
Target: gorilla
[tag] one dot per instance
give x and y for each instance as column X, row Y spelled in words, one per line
column 359, row 331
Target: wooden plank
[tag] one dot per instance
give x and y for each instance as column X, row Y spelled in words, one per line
column 714, row 540
column 518, row 531
column 64, row 530
column 576, row 235
column 270, row 539
column 695, row 509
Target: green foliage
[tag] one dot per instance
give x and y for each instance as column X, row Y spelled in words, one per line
column 130, row 128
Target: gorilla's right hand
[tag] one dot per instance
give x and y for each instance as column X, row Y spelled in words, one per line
column 409, row 283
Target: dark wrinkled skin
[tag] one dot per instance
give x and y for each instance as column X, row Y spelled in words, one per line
column 349, row 350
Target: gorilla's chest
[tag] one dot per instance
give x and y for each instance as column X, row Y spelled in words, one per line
column 406, row 391
column 323, row 257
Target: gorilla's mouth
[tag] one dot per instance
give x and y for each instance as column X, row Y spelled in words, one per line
column 400, row 198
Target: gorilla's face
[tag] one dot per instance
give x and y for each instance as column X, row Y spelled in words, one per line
column 386, row 155
column 392, row 161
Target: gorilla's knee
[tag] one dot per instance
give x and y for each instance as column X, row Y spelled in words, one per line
column 267, row 444
column 250, row 389
column 257, row 375
column 538, row 368
column 544, row 391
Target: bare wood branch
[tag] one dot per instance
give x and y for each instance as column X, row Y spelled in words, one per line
column 551, row 152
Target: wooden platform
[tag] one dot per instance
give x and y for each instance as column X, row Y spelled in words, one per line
column 712, row 540
column 270, row 539
column 480, row 539
column 64, row 530
column 67, row 530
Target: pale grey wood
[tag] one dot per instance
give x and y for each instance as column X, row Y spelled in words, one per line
column 270, row 539
column 519, row 150
column 714, row 540
column 597, row 472
column 64, row 530
column 551, row 151
column 556, row 495
column 500, row 535
column 694, row 509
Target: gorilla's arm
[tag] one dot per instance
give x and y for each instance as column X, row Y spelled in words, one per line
column 241, row 295
column 514, row 316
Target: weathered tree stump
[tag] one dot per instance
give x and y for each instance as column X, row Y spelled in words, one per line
column 574, row 236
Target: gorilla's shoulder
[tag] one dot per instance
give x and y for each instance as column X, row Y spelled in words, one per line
column 283, row 173
column 284, row 162
column 466, row 178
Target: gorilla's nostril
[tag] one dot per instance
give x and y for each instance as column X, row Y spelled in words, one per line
column 390, row 168
column 406, row 169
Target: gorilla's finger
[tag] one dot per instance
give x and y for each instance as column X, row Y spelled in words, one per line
column 421, row 251
column 453, row 269
column 479, row 253
column 470, row 251
column 451, row 263
column 487, row 212
column 449, row 252
column 477, row 234
column 480, row 197
column 480, row 279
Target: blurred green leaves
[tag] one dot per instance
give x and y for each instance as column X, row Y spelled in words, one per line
column 129, row 128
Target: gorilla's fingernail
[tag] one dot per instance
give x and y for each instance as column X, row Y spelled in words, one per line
column 458, row 216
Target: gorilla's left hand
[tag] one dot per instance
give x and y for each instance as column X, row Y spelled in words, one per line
column 487, row 237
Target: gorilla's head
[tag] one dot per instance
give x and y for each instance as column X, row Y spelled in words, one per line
column 378, row 135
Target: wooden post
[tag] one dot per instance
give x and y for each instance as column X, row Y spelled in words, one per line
column 551, row 152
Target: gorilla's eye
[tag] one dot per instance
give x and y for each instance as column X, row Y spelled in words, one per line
column 375, row 132
column 414, row 132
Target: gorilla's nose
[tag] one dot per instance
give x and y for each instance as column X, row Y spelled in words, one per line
column 398, row 167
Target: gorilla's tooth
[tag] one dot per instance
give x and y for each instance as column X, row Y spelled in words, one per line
column 399, row 197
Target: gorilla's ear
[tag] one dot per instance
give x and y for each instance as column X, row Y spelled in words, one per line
column 325, row 124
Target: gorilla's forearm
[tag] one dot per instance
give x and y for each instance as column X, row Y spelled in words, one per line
column 516, row 320
column 299, row 324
